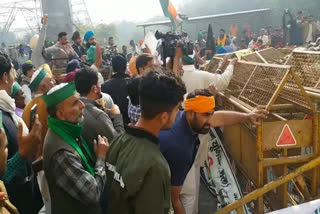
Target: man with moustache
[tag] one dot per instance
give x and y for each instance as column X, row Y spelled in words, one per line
column 181, row 143
column 41, row 83
column 75, row 173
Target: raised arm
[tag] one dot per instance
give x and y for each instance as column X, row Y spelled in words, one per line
column 221, row 81
column 98, row 61
column 229, row 118
column 37, row 52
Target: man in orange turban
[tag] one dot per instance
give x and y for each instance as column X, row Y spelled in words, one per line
column 181, row 146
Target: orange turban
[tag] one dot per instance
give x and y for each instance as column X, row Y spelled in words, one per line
column 200, row 104
column 132, row 66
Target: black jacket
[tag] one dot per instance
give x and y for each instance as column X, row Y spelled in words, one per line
column 25, row 195
column 79, row 50
column 116, row 87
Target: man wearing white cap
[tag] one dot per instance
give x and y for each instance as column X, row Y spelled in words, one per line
column 76, row 175
column 41, row 83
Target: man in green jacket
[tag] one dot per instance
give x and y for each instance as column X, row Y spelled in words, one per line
column 76, row 175
column 139, row 174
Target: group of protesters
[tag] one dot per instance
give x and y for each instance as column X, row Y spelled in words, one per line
column 74, row 142
column 299, row 30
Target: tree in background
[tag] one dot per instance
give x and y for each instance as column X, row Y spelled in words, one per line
column 122, row 32
column 128, row 31
column 102, row 32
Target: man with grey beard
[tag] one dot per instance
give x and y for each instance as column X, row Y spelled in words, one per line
column 75, row 173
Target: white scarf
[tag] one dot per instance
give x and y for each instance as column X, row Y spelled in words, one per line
column 8, row 104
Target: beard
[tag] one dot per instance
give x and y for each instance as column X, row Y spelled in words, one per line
column 204, row 129
column 74, row 120
column 80, row 119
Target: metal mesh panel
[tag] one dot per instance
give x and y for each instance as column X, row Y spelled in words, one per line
column 291, row 92
column 262, row 85
column 241, row 75
column 287, row 50
column 213, row 65
column 255, row 84
column 253, row 57
column 270, row 55
column 307, row 67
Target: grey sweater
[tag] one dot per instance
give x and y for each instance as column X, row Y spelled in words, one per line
column 97, row 122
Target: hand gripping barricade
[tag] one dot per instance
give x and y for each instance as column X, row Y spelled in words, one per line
column 279, row 158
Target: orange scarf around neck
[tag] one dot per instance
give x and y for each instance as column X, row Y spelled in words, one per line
column 223, row 41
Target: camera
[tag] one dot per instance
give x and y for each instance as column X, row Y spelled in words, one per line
column 170, row 41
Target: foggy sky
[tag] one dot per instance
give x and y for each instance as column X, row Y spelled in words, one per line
column 108, row 11
column 130, row 10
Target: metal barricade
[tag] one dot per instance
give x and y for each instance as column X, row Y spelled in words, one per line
column 293, row 115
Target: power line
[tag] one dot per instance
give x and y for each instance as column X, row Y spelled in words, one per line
column 9, row 12
column 31, row 12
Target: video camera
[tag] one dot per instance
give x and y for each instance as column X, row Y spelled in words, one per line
column 170, row 41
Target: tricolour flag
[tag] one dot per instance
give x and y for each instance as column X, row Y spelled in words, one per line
column 170, row 11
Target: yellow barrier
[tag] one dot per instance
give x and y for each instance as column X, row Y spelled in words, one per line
column 268, row 187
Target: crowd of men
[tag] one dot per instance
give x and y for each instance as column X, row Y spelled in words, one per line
column 299, row 30
column 76, row 143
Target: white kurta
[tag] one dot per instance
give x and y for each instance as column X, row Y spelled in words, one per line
column 197, row 79
column 189, row 195
column 265, row 39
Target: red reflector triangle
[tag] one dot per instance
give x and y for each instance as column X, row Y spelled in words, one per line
column 286, row 137
column 308, row 117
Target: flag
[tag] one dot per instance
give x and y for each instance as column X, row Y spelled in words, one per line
column 170, row 11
